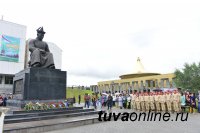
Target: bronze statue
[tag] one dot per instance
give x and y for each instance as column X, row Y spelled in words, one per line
column 40, row 53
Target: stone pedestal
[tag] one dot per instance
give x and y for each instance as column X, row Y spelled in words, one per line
column 38, row 84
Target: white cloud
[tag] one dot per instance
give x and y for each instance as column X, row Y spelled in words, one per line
column 102, row 39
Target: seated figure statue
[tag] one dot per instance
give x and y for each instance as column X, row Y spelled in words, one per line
column 40, row 53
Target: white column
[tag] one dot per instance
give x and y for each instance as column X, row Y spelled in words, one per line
column 167, row 83
column 151, row 83
column 146, row 84
column 120, row 87
column 133, row 83
column 162, row 83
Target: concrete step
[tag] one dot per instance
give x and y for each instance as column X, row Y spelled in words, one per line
column 48, row 117
column 50, row 125
column 44, row 113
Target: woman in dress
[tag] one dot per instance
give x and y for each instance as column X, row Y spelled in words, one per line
column 192, row 102
column 120, row 101
column 129, row 101
column 116, row 101
column 187, row 97
column 183, row 102
column 101, row 100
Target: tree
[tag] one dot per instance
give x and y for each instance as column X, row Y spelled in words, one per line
column 188, row 77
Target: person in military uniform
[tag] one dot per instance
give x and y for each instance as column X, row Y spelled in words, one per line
column 142, row 102
column 147, row 101
column 133, row 102
column 152, row 101
column 40, row 53
column 179, row 103
column 162, row 101
column 157, row 101
column 169, row 101
column 137, row 100
column 176, row 101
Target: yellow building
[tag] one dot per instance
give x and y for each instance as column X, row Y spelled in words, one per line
column 139, row 80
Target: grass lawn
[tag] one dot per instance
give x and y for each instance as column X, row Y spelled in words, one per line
column 75, row 92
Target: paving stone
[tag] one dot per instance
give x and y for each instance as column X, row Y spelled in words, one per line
column 190, row 126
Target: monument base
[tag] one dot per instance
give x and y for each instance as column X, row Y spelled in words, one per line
column 19, row 104
column 40, row 84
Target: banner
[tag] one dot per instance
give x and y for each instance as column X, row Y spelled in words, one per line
column 9, row 48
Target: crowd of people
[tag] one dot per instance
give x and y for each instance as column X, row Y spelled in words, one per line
column 108, row 100
column 169, row 101
column 98, row 101
column 3, row 99
column 162, row 101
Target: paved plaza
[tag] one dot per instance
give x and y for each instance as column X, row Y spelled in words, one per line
column 192, row 125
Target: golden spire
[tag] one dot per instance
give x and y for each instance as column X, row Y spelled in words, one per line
column 139, row 68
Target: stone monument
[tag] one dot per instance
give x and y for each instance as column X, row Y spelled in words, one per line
column 40, row 53
column 41, row 82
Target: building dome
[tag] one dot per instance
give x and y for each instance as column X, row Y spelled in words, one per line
column 139, row 71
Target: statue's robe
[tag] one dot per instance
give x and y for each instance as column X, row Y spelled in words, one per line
column 45, row 58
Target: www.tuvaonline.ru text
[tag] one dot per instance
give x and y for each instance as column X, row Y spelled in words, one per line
column 142, row 116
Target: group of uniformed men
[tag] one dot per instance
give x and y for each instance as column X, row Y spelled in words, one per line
column 157, row 101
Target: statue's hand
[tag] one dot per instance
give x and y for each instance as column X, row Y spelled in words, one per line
column 42, row 51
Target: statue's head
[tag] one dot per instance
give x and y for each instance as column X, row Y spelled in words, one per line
column 40, row 33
